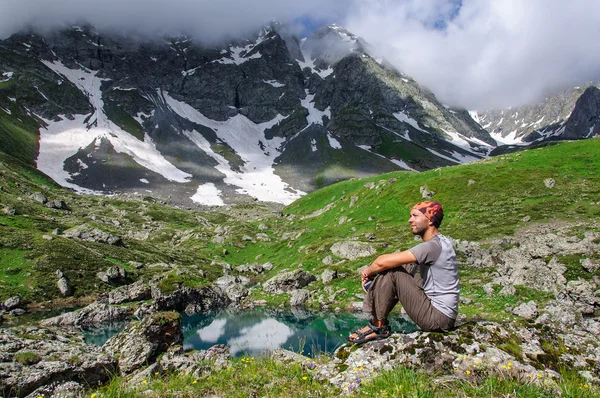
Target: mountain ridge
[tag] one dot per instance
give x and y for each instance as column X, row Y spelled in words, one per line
column 266, row 118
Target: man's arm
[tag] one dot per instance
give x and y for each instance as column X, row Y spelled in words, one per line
column 387, row 261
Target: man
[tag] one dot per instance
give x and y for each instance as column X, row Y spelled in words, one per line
column 431, row 297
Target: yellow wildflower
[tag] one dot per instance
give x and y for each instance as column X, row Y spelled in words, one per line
column 93, row 395
column 468, row 371
column 195, row 382
column 144, row 381
column 586, row 385
column 304, row 377
column 503, row 366
column 156, row 373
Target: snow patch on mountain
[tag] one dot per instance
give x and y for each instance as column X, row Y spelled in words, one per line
column 335, row 144
column 62, row 139
column 403, row 117
column 315, row 116
column 7, row 76
column 310, row 63
column 510, row 139
column 208, row 194
column 397, row 162
column 247, row 139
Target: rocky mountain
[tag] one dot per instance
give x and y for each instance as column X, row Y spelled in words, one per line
column 266, row 118
column 572, row 114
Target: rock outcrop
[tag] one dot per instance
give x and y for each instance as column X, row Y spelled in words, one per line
column 42, row 359
column 141, row 342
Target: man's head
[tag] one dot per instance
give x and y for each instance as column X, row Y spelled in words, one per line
column 425, row 214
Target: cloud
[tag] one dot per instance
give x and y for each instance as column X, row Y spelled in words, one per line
column 484, row 53
column 470, row 53
column 208, row 20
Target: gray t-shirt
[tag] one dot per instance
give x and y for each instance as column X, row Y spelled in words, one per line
column 439, row 270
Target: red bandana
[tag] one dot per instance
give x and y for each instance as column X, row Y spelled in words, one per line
column 432, row 210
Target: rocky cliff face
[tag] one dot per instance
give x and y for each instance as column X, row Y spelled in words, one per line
column 263, row 118
column 572, row 114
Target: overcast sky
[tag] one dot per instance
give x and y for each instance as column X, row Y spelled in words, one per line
column 471, row 53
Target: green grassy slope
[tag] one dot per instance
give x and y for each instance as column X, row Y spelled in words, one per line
column 482, row 200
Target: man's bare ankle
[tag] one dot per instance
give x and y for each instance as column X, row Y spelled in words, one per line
column 378, row 323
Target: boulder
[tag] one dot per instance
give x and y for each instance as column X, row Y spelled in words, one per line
column 234, row 287
column 203, row 299
column 328, row 275
column 12, row 302
column 426, row 193
column 285, row 282
column 39, row 197
column 64, row 286
column 57, row 204
column 114, row 276
column 196, row 363
column 527, row 310
column 299, row 297
column 141, row 342
column 87, row 233
column 137, row 291
column 95, row 314
column 352, row 250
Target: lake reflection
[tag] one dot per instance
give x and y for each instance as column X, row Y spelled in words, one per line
column 256, row 331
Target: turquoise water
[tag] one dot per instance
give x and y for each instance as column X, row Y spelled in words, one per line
column 258, row 331
column 253, row 332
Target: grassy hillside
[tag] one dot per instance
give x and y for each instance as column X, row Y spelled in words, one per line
column 482, row 200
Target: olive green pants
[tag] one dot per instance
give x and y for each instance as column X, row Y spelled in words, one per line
column 397, row 284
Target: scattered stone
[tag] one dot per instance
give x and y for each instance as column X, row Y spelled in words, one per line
column 136, row 264
column 526, row 219
column 342, row 220
column 87, row 233
column 18, row 312
column 508, row 291
column 263, row 237
column 63, row 284
column 370, row 236
column 471, row 182
column 39, row 197
column 353, row 200
column 299, row 297
column 12, row 302
column 263, row 227
column 328, row 276
column 589, row 265
column 549, row 182
column 426, row 193
column 328, row 260
column 10, row 211
column 352, row 250
column 285, row 282
column 488, row 288
column 369, row 185
column 527, row 310
column 59, row 205
column 114, row 276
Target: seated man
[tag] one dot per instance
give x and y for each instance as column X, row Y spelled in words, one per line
column 431, row 297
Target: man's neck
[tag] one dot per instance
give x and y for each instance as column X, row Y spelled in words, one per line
column 430, row 233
